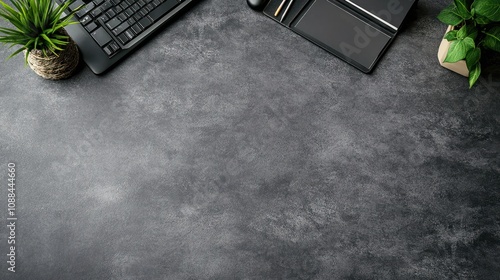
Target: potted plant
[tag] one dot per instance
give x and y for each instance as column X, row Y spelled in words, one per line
column 474, row 30
column 39, row 32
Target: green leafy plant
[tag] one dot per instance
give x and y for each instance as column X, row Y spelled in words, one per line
column 37, row 25
column 476, row 28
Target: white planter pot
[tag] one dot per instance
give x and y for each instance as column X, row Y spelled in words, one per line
column 459, row 67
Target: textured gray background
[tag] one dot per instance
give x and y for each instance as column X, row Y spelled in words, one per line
column 228, row 147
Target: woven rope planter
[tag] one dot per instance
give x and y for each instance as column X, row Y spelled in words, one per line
column 55, row 67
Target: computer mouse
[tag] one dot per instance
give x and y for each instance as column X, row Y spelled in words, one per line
column 257, row 5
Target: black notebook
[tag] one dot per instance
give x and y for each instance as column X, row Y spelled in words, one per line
column 357, row 31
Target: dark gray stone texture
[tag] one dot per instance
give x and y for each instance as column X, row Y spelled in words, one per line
column 228, row 147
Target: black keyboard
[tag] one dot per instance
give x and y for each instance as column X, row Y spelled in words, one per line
column 118, row 25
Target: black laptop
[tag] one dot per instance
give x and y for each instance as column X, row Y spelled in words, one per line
column 110, row 29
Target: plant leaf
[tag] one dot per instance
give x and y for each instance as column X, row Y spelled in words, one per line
column 451, row 35
column 482, row 20
column 16, row 52
column 458, row 50
column 463, row 9
column 471, row 31
column 474, row 74
column 469, row 43
column 488, row 8
column 462, row 32
column 472, row 58
column 36, row 24
column 450, row 16
column 492, row 38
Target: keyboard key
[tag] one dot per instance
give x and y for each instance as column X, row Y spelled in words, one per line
column 85, row 10
column 137, row 28
column 76, row 4
column 101, row 36
column 130, row 34
column 106, row 6
column 85, row 20
column 122, row 27
column 164, row 8
column 145, row 22
column 142, row 12
column 134, row 7
column 131, row 21
column 117, row 9
column 114, row 46
column 128, row 12
column 122, row 17
column 103, row 18
column 110, row 13
column 113, row 23
column 91, row 26
column 108, row 50
column 96, row 12
column 150, row 7
column 123, row 38
column 111, row 48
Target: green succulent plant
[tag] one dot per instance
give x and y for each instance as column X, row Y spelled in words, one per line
column 37, row 25
column 476, row 28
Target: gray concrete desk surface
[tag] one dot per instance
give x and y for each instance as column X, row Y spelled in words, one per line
column 228, row 147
